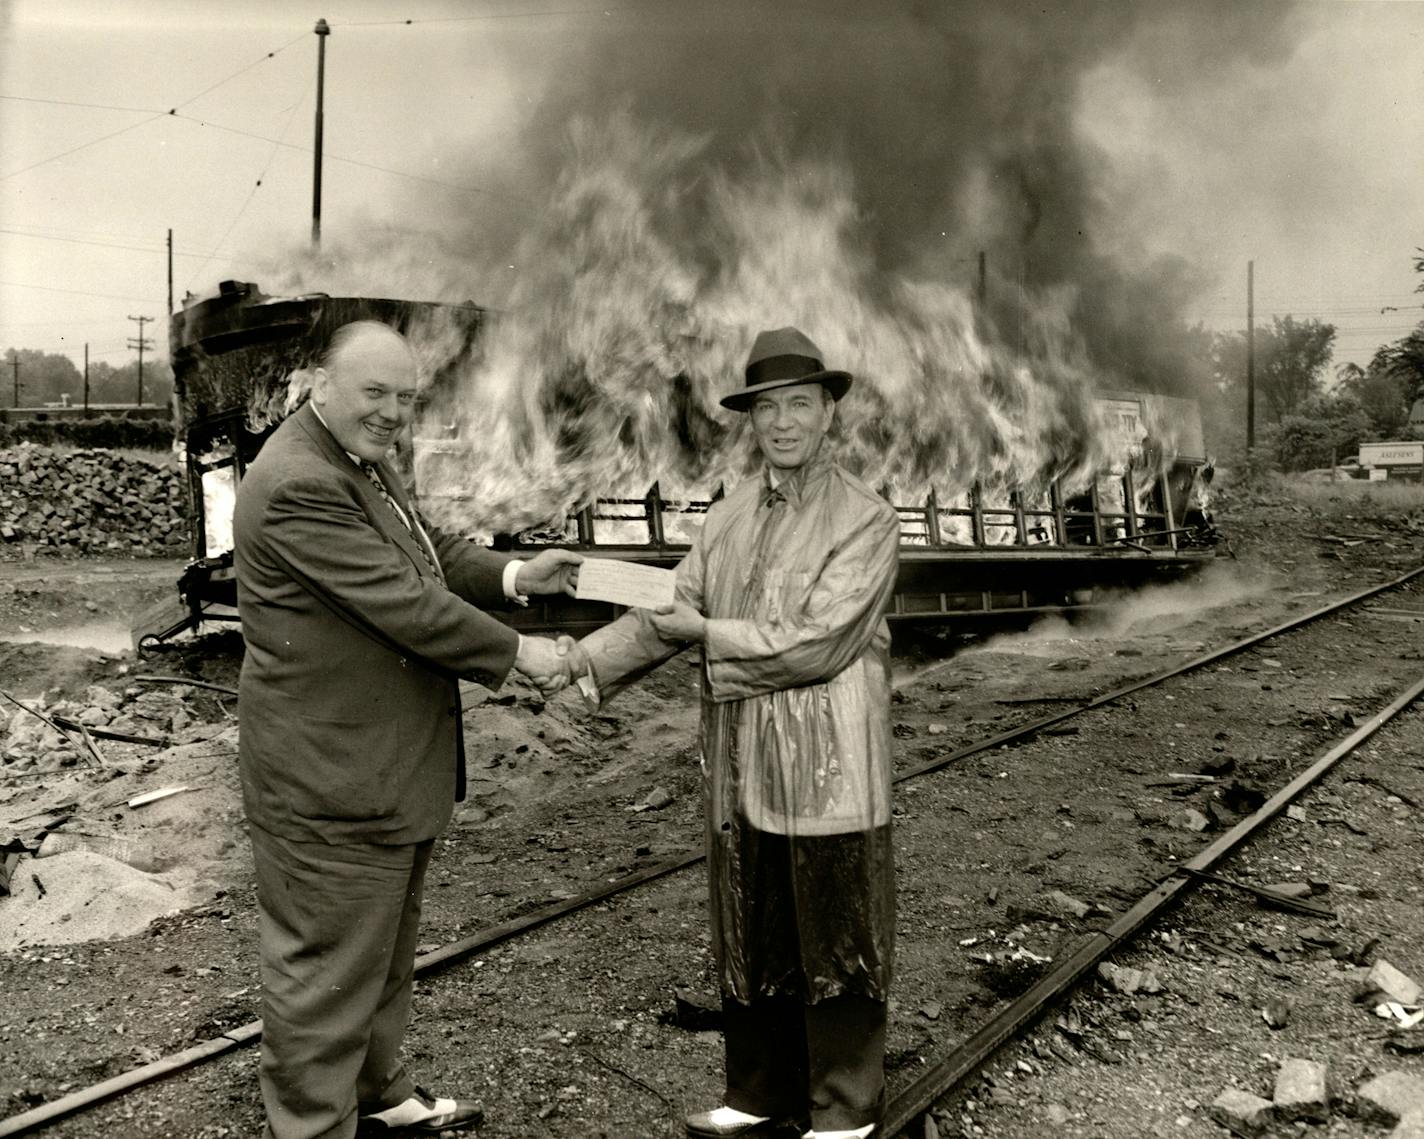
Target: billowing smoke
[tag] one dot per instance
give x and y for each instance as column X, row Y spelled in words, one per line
column 698, row 172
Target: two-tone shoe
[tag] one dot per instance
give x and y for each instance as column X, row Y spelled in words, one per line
column 422, row 1114
column 727, row 1123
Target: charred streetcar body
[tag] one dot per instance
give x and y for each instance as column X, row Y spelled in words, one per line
column 982, row 557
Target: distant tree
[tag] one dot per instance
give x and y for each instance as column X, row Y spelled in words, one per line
column 108, row 384
column 1403, row 361
column 44, row 378
column 1383, row 396
column 1290, row 361
column 1323, row 431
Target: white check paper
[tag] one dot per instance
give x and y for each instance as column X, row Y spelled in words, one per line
column 625, row 583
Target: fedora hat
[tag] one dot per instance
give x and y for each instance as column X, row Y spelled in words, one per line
column 780, row 358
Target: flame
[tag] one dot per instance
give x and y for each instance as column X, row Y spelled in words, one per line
column 651, row 274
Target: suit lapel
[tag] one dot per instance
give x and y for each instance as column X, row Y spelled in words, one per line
column 377, row 508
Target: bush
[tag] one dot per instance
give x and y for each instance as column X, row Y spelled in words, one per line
column 105, row 432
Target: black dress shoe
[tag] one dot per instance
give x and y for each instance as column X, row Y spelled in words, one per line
column 422, row 1114
column 701, row 1126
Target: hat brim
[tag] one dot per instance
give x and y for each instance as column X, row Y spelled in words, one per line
column 837, row 383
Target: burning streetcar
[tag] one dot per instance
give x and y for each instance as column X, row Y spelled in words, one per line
column 984, row 554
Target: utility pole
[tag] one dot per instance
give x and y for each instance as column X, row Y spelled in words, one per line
column 86, row 379
column 322, row 31
column 1250, row 356
column 140, row 342
column 983, row 279
column 170, row 274
column 15, row 363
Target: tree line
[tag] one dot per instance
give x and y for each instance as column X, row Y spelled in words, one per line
column 47, row 378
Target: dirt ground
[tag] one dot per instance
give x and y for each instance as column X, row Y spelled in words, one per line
column 1008, row 856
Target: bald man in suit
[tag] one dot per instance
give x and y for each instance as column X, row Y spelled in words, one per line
column 359, row 621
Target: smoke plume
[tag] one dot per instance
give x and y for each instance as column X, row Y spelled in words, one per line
column 698, row 172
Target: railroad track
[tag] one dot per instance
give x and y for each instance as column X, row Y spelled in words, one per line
column 950, row 1069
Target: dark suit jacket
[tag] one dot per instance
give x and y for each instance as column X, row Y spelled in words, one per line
column 349, row 707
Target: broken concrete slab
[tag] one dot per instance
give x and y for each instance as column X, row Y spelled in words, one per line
column 1128, row 981
column 1395, row 985
column 1410, row 1127
column 1242, row 1112
column 1390, row 1097
column 1056, row 901
column 1301, row 1091
column 1190, row 819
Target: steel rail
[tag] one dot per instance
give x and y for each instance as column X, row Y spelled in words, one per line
column 976, row 1050
column 28, row 1121
column 47, row 1113
column 1026, row 730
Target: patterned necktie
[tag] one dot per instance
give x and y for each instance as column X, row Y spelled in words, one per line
column 412, row 524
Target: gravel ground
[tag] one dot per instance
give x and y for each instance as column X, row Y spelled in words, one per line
column 573, row 1030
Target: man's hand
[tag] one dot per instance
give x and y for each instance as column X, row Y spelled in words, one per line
column 542, row 663
column 550, row 571
column 573, row 654
column 679, row 622
column 580, row 670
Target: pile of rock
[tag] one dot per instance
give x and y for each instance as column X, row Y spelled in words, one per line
column 29, row 744
column 90, row 502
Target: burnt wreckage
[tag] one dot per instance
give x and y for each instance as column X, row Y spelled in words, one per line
column 983, row 557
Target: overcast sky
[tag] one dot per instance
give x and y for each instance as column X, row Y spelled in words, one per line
column 1301, row 150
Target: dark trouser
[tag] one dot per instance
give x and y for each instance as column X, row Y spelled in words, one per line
column 338, row 933
column 805, row 903
column 778, row 1047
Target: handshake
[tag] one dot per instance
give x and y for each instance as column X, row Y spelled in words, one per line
column 551, row 665
column 554, row 665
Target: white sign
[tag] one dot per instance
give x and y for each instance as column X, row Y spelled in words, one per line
column 1392, row 454
column 625, row 583
column 1124, row 423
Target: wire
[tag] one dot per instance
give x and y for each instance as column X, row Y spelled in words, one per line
column 240, row 71
column 261, row 177
column 32, row 229
column 55, row 323
column 92, row 106
column 349, row 161
column 108, row 244
column 74, row 292
column 81, row 146
column 142, row 122
column 601, row 11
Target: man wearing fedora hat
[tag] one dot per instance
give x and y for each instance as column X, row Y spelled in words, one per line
column 785, row 591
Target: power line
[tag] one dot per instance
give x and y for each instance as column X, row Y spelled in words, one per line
column 292, row 114
column 600, row 11
column 1305, row 311
column 176, row 114
column 81, row 146
column 92, row 106
column 350, row 161
column 74, row 292
column 34, row 229
column 241, row 71
column 60, row 346
column 109, row 244
column 1364, row 301
column 152, row 118
column 54, row 323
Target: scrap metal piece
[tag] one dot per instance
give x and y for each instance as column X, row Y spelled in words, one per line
column 1270, row 897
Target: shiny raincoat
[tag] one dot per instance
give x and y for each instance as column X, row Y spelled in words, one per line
column 795, row 730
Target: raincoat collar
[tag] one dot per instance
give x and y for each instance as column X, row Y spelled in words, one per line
column 793, row 486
